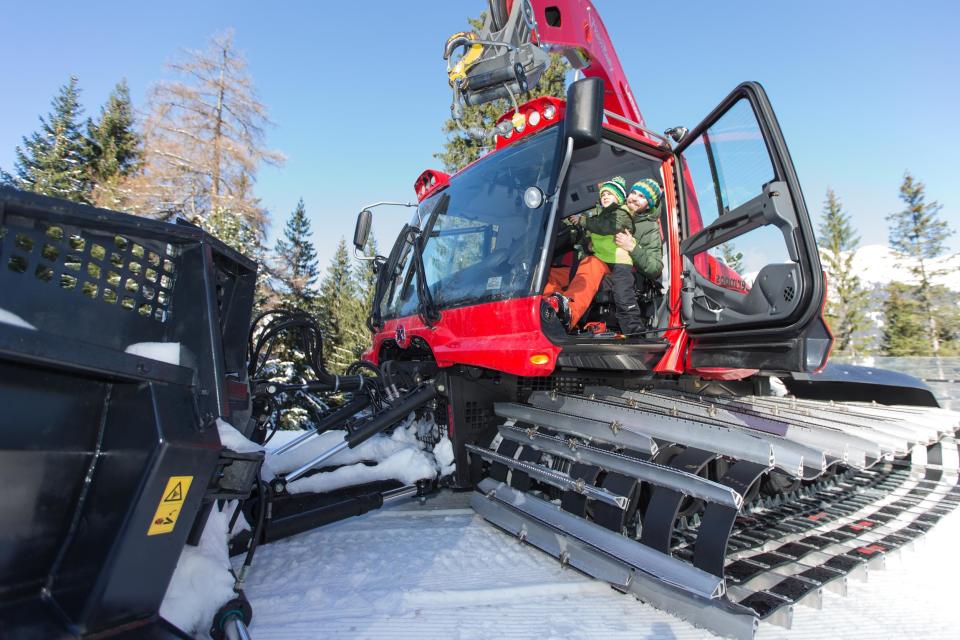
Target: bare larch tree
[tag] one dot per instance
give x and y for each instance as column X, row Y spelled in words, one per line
column 205, row 140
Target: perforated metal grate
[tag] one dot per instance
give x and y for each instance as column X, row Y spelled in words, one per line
column 113, row 269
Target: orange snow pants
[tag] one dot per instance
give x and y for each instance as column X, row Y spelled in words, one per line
column 581, row 288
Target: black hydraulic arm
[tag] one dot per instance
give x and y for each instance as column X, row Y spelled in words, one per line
column 375, row 424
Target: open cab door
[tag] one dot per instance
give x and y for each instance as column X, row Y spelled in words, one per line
column 753, row 287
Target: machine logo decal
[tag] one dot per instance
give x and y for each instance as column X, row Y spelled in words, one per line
column 171, row 503
column 401, row 334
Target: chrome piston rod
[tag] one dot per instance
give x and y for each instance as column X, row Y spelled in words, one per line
column 374, row 425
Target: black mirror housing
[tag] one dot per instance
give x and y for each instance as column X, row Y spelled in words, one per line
column 584, row 117
column 362, row 231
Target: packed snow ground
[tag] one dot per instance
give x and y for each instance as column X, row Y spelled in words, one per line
column 439, row 571
column 202, row 581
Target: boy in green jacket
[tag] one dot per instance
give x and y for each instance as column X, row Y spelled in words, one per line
column 635, row 213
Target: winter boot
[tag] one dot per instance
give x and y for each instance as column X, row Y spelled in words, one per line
column 561, row 306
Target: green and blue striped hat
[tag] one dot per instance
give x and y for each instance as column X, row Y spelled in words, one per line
column 649, row 189
column 617, row 186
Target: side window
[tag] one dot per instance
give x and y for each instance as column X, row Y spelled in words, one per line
column 726, row 167
column 400, row 283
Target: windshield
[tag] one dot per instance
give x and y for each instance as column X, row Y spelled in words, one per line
column 483, row 239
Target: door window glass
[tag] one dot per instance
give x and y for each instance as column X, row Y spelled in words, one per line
column 726, row 167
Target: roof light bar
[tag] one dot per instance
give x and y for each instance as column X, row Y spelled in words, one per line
column 528, row 119
column 429, row 181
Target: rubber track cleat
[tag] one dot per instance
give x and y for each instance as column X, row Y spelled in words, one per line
column 561, row 306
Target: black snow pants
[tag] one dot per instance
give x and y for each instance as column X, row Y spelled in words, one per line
column 629, row 315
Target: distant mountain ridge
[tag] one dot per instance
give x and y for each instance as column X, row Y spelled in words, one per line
column 879, row 265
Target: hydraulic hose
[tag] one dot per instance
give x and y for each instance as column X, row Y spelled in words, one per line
column 263, row 495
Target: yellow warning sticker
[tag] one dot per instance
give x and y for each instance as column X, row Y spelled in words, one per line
column 165, row 519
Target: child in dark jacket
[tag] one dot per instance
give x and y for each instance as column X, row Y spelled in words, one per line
column 635, row 213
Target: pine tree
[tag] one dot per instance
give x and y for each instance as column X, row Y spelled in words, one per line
column 53, row 160
column 114, row 148
column 946, row 308
column 919, row 236
column 847, row 302
column 337, row 309
column 358, row 334
column 904, row 332
column 367, row 277
column 234, row 230
column 461, row 148
column 297, row 259
column 731, row 257
column 296, row 272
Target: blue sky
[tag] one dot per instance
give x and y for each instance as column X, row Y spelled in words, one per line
column 863, row 91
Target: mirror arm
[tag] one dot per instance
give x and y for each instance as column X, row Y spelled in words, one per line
column 357, row 251
column 360, row 256
column 396, row 204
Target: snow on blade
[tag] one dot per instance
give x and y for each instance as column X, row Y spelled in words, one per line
column 379, row 447
column 168, row 352
column 407, row 465
column 443, row 452
column 399, row 456
column 778, row 388
column 234, row 440
column 202, row 581
column 13, row 319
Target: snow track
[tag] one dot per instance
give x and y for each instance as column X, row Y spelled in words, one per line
column 439, row 571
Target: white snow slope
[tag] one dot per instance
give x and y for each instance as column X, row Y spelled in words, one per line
column 880, row 265
column 439, row 571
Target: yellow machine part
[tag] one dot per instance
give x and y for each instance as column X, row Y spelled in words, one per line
column 459, row 70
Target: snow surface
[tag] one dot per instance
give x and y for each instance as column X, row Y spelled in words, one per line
column 443, row 452
column 439, row 571
column 7, row 317
column 380, row 448
column 777, row 387
column 406, row 465
column 202, row 581
column 399, row 456
column 234, row 440
column 168, row 352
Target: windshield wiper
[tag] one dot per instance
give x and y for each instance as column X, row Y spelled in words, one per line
column 374, row 317
column 426, row 307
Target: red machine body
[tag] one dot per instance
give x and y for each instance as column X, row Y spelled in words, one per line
column 508, row 335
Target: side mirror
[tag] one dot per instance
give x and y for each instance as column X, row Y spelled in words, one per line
column 362, row 232
column 584, row 115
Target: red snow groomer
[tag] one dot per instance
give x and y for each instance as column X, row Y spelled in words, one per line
column 665, row 461
column 708, row 461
